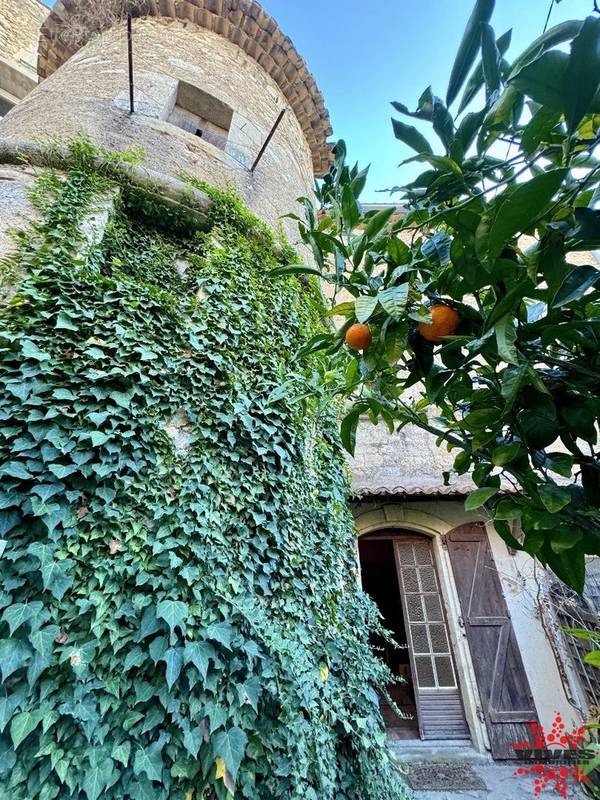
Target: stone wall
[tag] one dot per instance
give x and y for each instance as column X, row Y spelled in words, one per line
column 20, row 22
column 90, row 93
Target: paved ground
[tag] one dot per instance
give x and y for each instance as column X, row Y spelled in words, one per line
column 499, row 779
column 501, row 785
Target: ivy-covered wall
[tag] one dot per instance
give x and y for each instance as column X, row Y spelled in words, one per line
column 180, row 616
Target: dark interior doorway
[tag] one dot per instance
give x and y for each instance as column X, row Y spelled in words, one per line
column 380, row 582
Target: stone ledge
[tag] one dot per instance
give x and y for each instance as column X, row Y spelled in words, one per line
column 177, row 195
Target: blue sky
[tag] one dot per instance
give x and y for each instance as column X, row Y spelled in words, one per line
column 364, row 55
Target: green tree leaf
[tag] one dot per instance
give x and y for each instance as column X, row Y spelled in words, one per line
column 518, row 210
column 554, row 497
column 582, row 79
column 349, row 427
column 543, row 80
column 469, row 47
column 411, row 136
column 294, row 269
column 479, row 498
column 575, row 285
column 364, row 307
column 394, row 300
column 490, row 58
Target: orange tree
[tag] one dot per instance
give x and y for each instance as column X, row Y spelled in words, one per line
column 497, row 227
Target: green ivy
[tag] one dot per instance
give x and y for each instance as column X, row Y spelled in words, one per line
column 180, row 616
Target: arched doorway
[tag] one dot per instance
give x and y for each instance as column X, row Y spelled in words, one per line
column 398, row 571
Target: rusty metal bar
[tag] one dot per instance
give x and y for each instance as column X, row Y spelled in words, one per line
column 268, row 140
column 130, row 56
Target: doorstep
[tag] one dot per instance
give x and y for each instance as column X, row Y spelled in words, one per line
column 417, row 750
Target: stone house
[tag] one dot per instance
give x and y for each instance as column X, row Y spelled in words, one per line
column 482, row 651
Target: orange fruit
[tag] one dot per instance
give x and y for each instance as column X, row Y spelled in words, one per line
column 359, row 337
column 445, row 321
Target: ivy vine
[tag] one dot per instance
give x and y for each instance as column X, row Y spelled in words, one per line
column 179, row 611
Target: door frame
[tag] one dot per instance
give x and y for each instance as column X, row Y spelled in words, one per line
column 395, row 516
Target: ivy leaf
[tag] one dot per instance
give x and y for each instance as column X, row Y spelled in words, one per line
column 65, row 322
column 15, row 469
column 97, row 776
column 99, row 438
column 55, row 577
column 13, row 655
column 148, row 761
column 199, row 653
column 174, row 613
column 364, row 307
column 30, row 350
column 43, row 640
column 135, row 658
column 8, row 521
column 61, row 471
column 479, row 498
column 192, row 740
column 173, row 658
column 221, row 632
column 230, row 746
column 44, row 552
column 23, row 724
column 20, row 613
column 121, row 752
column 8, row 706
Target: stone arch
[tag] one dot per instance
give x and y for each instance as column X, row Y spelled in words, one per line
column 396, row 516
column 243, row 22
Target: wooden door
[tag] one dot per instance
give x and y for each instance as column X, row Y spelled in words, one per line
column 439, row 705
column 503, row 686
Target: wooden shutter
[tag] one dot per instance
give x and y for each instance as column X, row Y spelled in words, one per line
column 439, row 706
column 503, row 686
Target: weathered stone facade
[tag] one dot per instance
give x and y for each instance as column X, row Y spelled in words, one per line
column 19, row 31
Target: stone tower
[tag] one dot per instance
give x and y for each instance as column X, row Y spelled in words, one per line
column 211, row 78
column 180, row 616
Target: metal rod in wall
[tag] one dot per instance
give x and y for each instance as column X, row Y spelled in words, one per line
column 130, row 56
column 268, row 139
